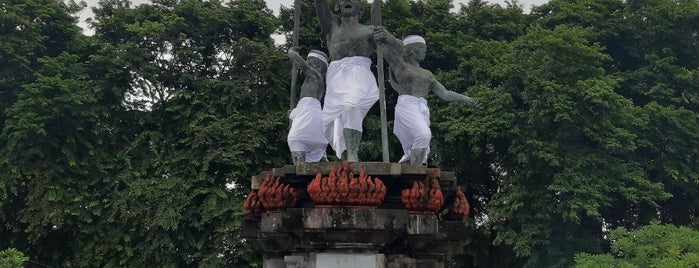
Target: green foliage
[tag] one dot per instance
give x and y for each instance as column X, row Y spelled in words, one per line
column 11, row 258
column 653, row 245
column 134, row 147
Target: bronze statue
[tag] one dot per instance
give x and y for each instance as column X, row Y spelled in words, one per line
column 412, row 82
column 306, row 139
column 351, row 86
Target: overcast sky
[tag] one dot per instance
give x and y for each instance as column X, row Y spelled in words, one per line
column 275, row 4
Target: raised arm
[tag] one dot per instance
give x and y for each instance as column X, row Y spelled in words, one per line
column 325, row 15
column 391, row 46
column 305, row 68
column 447, row 95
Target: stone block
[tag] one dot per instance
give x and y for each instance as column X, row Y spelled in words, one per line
column 447, row 176
column 273, row 263
column 348, row 260
column 272, row 222
column 423, row 224
column 352, row 218
column 371, row 168
column 256, row 181
column 408, row 169
column 283, row 171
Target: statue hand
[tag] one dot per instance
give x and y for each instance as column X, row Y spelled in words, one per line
column 293, row 52
column 381, row 34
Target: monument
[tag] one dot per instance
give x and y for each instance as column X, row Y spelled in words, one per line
column 359, row 214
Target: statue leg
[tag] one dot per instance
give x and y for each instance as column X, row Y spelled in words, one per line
column 352, row 139
column 352, row 132
column 417, row 155
column 298, row 157
column 420, row 148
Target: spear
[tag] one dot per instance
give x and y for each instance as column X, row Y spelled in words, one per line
column 376, row 21
column 295, row 42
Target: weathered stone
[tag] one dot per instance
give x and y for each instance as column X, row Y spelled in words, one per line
column 408, row 240
column 348, row 260
column 283, row 171
column 273, row 263
column 408, row 169
column 447, row 176
column 400, row 261
column 297, row 261
column 429, row 263
column 256, row 181
column 271, row 222
column 422, row 224
column 371, row 168
column 357, row 219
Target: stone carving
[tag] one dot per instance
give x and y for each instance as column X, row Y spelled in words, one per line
column 252, row 204
column 351, row 86
column 413, row 83
column 306, row 139
column 275, row 195
column 460, row 209
column 423, row 196
column 342, row 188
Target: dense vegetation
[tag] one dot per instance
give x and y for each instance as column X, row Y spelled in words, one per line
column 134, row 147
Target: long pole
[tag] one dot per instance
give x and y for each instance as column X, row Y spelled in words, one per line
column 295, row 42
column 376, row 21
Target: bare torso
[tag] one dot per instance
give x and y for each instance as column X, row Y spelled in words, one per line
column 312, row 87
column 351, row 40
column 411, row 80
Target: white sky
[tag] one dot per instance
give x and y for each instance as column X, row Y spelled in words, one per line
column 275, row 4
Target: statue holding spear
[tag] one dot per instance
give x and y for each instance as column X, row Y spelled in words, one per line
column 351, row 86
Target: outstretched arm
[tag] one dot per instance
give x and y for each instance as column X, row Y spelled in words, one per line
column 301, row 63
column 325, row 15
column 447, row 95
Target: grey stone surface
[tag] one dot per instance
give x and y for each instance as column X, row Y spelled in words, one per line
column 408, row 240
column 273, row 263
column 348, row 260
column 283, row 171
column 371, row 168
column 423, row 224
column 271, row 222
column 400, row 261
column 257, row 180
column 296, row 261
column 358, row 219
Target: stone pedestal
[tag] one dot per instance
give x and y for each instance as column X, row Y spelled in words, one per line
column 387, row 236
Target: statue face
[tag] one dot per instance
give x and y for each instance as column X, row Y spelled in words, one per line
column 418, row 50
column 349, row 7
column 317, row 64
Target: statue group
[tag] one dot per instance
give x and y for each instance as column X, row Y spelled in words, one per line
column 349, row 88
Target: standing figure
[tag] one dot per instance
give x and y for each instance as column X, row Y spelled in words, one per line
column 351, row 86
column 412, row 116
column 306, row 139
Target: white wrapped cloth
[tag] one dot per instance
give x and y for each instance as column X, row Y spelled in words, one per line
column 306, row 133
column 350, row 84
column 412, row 125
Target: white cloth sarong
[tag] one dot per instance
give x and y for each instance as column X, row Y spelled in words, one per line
column 350, row 84
column 306, row 133
column 412, row 125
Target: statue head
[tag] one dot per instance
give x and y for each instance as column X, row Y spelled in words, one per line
column 415, row 47
column 318, row 60
column 348, row 8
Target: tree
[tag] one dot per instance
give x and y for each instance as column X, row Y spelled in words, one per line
column 653, row 245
